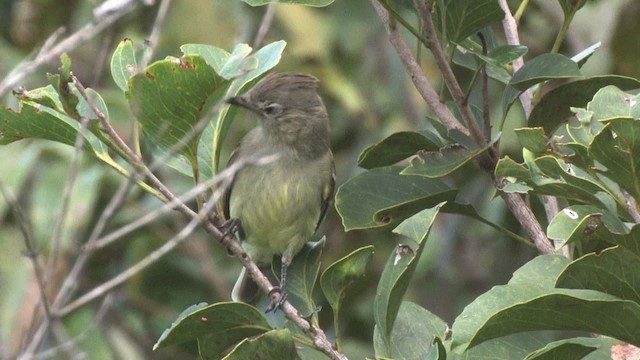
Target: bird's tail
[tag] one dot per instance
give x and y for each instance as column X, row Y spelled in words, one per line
column 245, row 289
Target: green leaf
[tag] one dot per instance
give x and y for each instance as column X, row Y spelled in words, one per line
column 398, row 147
column 533, row 139
column 576, row 348
column 381, row 197
column 169, row 101
column 584, row 55
column 61, row 82
column 273, row 345
column 415, row 332
column 615, row 271
column 610, row 103
column 302, row 276
column 608, row 316
column 617, row 147
column 577, row 222
column 555, row 106
column 535, row 278
column 214, row 56
column 36, row 121
column 219, row 325
column 340, row 275
column 571, row 6
column 437, row 351
column 515, row 346
column 507, row 54
column 123, row 63
column 542, row 68
column 530, row 303
column 465, row 18
column 445, row 161
column 398, row 271
column 317, row 3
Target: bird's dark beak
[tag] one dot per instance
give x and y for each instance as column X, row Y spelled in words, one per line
column 240, row 101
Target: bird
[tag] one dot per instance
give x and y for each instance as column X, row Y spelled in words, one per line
column 277, row 207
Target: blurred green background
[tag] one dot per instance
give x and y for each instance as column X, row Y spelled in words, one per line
column 368, row 95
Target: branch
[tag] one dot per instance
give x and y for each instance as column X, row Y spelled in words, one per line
column 265, row 24
column 449, row 77
column 511, row 35
column 417, row 75
column 515, row 202
column 102, row 19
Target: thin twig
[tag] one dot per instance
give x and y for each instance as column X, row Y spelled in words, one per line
column 510, row 28
column 71, row 279
column 417, row 75
column 147, row 261
column 152, row 42
column 32, row 253
column 430, row 36
column 265, row 25
column 83, row 34
column 100, row 314
column 56, row 234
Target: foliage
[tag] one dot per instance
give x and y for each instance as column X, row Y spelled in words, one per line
column 577, row 150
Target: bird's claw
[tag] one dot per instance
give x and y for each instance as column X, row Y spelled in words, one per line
column 275, row 305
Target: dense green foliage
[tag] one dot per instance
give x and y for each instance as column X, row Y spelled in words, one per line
column 430, row 253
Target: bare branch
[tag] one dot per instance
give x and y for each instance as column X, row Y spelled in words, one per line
column 449, row 77
column 417, row 75
column 83, row 34
column 265, row 24
column 511, row 35
column 155, row 32
column 26, row 228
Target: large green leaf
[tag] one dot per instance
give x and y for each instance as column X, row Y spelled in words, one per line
column 397, row 273
column 614, row 271
column 397, row 147
column 462, row 18
column 535, row 278
column 542, row 68
column 413, row 333
column 617, row 147
column 445, row 161
column 530, row 303
column 339, row 276
column 610, row 103
column 381, row 197
column 317, row 3
column 577, row 222
column 576, row 348
column 169, row 99
column 216, row 327
column 608, row 315
column 272, row 345
column 555, row 106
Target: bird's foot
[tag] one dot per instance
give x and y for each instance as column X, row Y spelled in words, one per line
column 231, row 226
column 275, row 305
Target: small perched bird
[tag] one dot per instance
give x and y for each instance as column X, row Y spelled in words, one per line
column 280, row 205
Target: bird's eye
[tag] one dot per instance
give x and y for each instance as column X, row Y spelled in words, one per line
column 272, row 109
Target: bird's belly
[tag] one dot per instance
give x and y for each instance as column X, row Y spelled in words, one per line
column 277, row 211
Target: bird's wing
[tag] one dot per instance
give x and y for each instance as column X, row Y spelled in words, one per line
column 327, row 193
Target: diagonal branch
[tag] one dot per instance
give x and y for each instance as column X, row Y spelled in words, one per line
column 418, row 77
